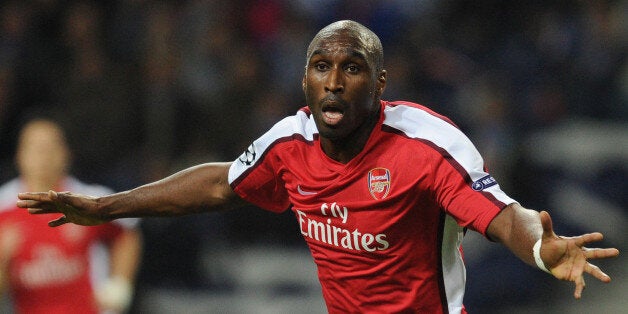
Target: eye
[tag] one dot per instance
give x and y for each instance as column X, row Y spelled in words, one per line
column 352, row 68
column 321, row 66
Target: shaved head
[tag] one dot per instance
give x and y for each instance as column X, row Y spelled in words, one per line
column 365, row 36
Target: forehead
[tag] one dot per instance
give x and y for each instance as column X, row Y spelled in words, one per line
column 41, row 131
column 340, row 41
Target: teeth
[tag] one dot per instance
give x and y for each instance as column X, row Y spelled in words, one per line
column 332, row 114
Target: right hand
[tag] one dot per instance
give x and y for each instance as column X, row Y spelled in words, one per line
column 76, row 208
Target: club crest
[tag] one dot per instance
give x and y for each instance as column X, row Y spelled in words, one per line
column 379, row 183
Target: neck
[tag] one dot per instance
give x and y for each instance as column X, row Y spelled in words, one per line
column 344, row 149
column 41, row 184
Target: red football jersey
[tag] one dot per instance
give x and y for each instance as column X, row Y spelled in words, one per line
column 50, row 272
column 385, row 229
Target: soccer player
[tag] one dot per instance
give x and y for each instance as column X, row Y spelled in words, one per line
column 381, row 191
column 55, row 270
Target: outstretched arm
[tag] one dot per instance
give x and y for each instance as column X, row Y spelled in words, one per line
column 197, row 189
column 565, row 257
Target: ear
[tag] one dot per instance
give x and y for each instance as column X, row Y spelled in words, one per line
column 303, row 84
column 381, row 83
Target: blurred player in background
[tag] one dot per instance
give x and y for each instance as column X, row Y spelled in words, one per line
column 48, row 270
column 382, row 191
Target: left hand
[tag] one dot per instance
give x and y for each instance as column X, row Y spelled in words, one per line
column 568, row 259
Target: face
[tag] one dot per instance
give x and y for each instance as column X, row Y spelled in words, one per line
column 42, row 153
column 341, row 87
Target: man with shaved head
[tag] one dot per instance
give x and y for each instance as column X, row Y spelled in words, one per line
column 381, row 191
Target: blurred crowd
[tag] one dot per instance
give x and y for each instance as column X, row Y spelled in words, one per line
column 146, row 88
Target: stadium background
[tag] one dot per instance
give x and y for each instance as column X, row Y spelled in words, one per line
column 150, row 87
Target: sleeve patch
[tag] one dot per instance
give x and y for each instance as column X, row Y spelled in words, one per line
column 483, row 183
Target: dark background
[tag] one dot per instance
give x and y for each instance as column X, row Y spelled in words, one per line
column 147, row 88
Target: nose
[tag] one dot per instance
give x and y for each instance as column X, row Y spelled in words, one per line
column 335, row 81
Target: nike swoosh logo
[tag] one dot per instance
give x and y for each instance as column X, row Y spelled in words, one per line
column 304, row 192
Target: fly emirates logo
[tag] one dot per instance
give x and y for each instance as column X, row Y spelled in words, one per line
column 332, row 232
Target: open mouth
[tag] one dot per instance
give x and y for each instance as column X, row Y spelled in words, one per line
column 332, row 117
column 332, row 113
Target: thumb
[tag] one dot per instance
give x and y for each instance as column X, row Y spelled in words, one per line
column 546, row 223
column 58, row 222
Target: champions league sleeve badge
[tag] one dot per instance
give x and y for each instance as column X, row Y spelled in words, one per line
column 484, row 183
column 248, row 157
column 379, row 183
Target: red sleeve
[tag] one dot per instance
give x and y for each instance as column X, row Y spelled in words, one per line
column 262, row 185
column 453, row 192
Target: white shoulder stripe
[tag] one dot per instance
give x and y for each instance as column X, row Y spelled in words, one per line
column 420, row 124
column 299, row 124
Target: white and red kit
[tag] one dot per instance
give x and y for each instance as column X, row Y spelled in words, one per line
column 385, row 229
column 52, row 272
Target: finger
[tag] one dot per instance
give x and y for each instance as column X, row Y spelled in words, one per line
column 28, row 204
column 58, row 222
column 35, row 196
column 588, row 238
column 36, row 210
column 43, row 209
column 596, row 253
column 37, row 207
column 580, row 285
column 597, row 273
column 40, row 201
